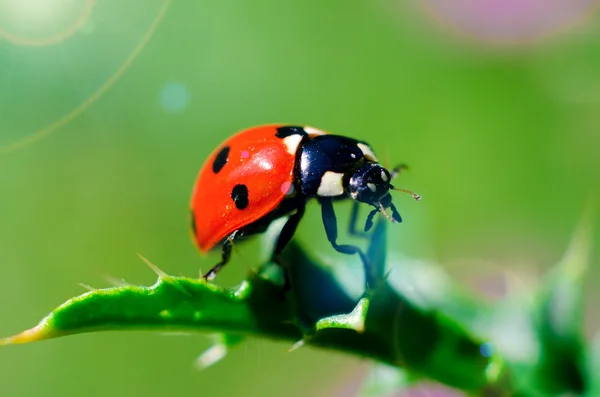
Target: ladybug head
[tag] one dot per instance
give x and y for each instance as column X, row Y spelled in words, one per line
column 371, row 184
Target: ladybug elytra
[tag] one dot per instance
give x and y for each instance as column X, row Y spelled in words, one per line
column 267, row 172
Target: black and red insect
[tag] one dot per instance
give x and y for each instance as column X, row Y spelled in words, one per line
column 267, row 172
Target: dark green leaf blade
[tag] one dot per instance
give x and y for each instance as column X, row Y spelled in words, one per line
column 172, row 304
column 559, row 316
column 593, row 368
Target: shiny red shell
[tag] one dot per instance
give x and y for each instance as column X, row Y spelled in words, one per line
column 257, row 159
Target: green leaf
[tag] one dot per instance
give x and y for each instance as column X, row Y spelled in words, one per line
column 559, row 317
column 384, row 324
column 539, row 331
column 172, row 304
column 256, row 308
column 593, row 368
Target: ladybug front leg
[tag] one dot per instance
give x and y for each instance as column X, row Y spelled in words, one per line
column 354, row 219
column 330, row 224
column 225, row 256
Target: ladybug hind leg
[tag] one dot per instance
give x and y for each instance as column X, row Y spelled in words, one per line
column 330, row 224
column 225, row 256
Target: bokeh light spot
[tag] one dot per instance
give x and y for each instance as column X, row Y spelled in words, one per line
column 508, row 21
column 7, row 143
column 175, row 97
column 287, row 188
column 486, row 349
column 42, row 22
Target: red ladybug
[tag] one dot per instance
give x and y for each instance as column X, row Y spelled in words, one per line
column 267, row 172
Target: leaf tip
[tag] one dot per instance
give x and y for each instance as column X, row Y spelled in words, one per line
column 37, row 333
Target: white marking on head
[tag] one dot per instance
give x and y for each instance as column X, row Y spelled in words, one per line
column 372, row 187
column 331, row 184
column 292, row 142
column 384, row 177
column 367, row 152
column 311, row 131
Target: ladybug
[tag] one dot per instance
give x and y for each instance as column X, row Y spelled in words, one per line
column 267, row 172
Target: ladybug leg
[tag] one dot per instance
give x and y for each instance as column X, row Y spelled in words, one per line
column 330, row 224
column 354, row 219
column 225, row 256
column 287, row 232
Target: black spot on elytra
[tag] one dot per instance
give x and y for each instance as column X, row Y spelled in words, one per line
column 283, row 132
column 239, row 194
column 221, row 160
column 193, row 223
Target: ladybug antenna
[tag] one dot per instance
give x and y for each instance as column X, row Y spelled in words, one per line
column 397, row 170
column 413, row 194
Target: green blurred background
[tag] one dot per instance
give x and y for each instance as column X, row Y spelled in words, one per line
column 108, row 109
